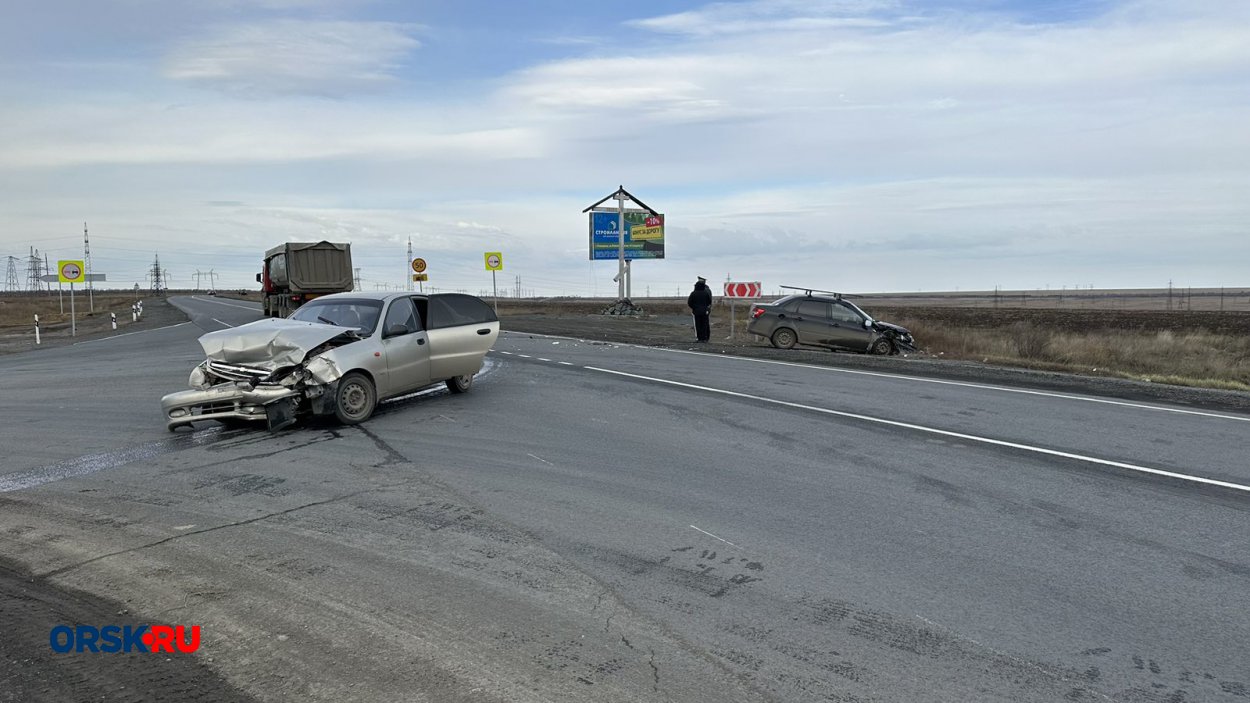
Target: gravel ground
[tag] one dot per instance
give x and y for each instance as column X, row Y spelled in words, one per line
column 677, row 332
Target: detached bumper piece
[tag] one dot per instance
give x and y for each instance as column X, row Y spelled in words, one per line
column 231, row 401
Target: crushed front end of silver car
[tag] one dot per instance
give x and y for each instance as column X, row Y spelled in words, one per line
column 267, row 371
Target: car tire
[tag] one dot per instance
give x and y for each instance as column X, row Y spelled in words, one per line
column 355, row 398
column 460, row 384
column 881, row 347
column 785, row 338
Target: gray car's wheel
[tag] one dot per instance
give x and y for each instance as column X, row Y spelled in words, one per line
column 882, row 347
column 460, row 384
column 785, row 338
column 355, row 399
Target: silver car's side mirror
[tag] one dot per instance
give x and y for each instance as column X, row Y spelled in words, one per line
column 868, row 324
column 396, row 329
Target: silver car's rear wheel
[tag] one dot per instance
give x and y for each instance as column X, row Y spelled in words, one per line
column 460, row 384
column 355, row 399
column 785, row 338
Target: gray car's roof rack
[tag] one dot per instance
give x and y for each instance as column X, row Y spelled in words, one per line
column 808, row 291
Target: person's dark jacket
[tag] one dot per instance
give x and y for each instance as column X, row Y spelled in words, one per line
column 700, row 299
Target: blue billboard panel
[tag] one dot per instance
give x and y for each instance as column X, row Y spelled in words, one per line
column 644, row 235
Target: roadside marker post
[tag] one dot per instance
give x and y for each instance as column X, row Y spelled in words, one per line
column 113, row 319
column 134, row 312
column 37, row 330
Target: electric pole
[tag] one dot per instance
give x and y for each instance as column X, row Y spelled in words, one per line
column 86, row 252
column 407, row 267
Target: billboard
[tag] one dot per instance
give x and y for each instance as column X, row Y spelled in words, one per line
column 644, row 235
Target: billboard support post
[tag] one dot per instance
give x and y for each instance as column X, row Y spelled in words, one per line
column 653, row 246
column 620, row 246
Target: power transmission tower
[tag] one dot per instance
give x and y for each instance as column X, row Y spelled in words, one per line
column 196, row 276
column 12, row 285
column 86, row 252
column 356, row 285
column 33, row 264
column 212, row 280
column 407, row 276
column 157, row 277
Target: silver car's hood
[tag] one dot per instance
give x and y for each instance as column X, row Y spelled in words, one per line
column 268, row 344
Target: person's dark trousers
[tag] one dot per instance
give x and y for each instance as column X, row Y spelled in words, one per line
column 702, row 326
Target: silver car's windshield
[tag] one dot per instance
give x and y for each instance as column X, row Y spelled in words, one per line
column 361, row 315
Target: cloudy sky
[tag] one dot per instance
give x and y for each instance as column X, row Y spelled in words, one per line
column 859, row 145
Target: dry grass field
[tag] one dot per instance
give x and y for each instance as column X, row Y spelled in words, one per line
column 1201, row 348
column 20, row 310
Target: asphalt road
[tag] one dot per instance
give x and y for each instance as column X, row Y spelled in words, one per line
column 604, row 522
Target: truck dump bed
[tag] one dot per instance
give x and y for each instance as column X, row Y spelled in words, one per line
column 312, row 267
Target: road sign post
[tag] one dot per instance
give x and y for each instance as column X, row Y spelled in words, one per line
column 71, row 272
column 735, row 290
column 37, row 330
column 494, row 262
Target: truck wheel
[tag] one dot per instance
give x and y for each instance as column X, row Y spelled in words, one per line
column 355, row 398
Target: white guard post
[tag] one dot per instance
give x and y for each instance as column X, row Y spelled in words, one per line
column 37, row 330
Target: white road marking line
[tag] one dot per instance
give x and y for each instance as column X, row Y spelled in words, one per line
column 922, row 379
column 934, row 430
column 542, row 359
column 525, row 356
column 564, row 363
column 220, row 322
column 548, row 463
column 127, row 334
column 709, row 534
column 183, row 527
column 219, row 302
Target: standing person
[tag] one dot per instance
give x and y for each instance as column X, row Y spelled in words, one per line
column 700, row 303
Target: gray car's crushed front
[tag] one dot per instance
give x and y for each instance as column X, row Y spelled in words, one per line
column 340, row 354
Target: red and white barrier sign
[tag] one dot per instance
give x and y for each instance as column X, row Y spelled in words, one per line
column 742, row 290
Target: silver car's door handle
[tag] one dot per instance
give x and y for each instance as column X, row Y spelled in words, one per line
column 485, row 331
column 420, row 341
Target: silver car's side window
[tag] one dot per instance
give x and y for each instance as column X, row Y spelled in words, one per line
column 400, row 318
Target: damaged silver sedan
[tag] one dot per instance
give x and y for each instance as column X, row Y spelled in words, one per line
column 337, row 355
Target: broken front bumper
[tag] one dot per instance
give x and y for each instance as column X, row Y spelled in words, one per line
column 227, row 401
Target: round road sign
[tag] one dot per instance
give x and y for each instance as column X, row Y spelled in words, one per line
column 418, row 265
column 70, row 271
column 494, row 261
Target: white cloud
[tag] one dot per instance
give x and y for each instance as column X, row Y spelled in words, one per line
column 953, row 148
column 291, row 56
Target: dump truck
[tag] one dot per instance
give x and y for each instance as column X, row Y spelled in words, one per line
column 296, row 272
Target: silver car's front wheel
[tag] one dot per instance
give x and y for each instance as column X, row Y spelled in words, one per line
column 460, row 384
column 356, row 398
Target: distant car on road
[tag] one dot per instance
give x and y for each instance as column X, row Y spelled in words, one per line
column 336, row 355
column 826, row 321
